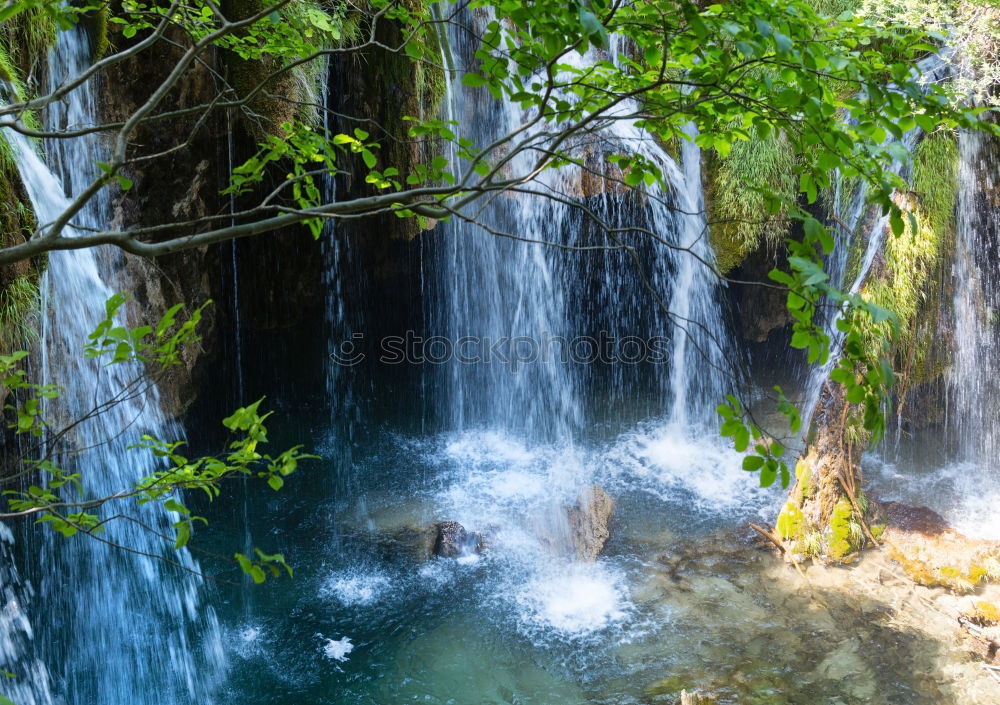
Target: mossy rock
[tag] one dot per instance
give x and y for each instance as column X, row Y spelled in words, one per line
column 845, row 532
column 960, row 579
column 791, row 521
column 95, row 23
column 672, row 685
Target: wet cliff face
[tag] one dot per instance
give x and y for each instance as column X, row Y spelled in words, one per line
column 276, row 278
column 184, row 185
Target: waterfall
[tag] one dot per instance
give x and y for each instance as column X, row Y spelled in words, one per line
column 972, row 390
column 122, row 626
column 32, row 683
column 968, row 482
column 558, row 356
column 562, row 314
column 851, row 213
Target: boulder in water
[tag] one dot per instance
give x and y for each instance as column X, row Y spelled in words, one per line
column 452, row 540
column 589, row 522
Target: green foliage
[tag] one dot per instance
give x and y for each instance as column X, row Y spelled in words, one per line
column 61, row 500
column 19, row 305
column 207, row 473
column 256, row 568
column 765, row 456
column 972, row 26
column 296, row 33
column 736, row 200
column 310, row 156
column 159, row 344
column 781, row 90
column 834, row 8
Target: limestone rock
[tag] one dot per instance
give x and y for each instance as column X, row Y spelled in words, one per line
column 589, row 522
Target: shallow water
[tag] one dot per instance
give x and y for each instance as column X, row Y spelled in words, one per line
column 681, row 597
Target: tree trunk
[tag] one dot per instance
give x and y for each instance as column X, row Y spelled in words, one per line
column 827, row 514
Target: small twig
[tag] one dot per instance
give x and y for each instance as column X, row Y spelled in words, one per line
column 768, row 535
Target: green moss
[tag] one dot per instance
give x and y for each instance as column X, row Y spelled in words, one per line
column 26, row 39
column 935, row 179
column 985, row 614
column 832, row 8
column 812, row 544
column 14, row 43
column 735, row 198
column 668, row 686
column 844, row 530
column 19, row 307
column 962, row 577
column 803, row 473
column 791, row 522
column 909, row 281
column 295, row 94
column 19, row 296
column 96, row 25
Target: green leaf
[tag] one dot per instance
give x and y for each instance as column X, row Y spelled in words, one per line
column 183, row 534
column 741, row 439
column 473, row 80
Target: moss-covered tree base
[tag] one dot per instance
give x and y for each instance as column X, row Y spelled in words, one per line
column 827, row 514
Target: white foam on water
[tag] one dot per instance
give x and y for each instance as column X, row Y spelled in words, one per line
column 247, row 640
column 336, row 649
column 664, row 459
column 356, row 588
column 494, row 446
column 957, row 491
column 493, row 469
column 574, row 600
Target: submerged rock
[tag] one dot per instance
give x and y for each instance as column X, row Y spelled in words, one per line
column 589, row 522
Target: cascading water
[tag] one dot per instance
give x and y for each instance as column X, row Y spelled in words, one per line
column 32, row 683
column 972, row 391
column 954, row 474
column 851, row 212
column 124, row 627
column 556, row 304
column 526, row 420
column 372, row 619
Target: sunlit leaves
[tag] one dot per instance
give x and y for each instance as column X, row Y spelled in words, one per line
column 765, row 455
column 160, row 344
